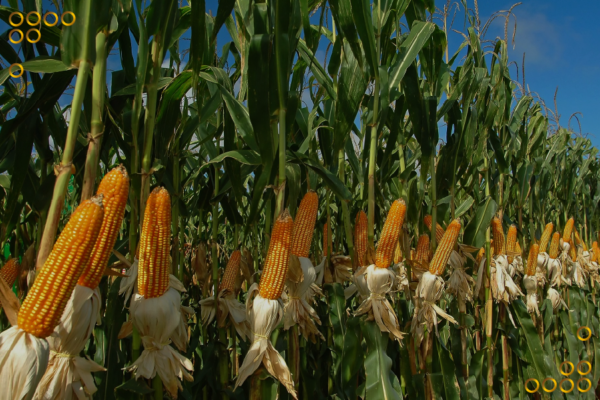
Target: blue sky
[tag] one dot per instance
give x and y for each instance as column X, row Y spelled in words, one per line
column 559, row 42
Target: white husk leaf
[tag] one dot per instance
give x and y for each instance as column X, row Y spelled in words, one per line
column 516, row 266
column 129, row 284
column 156, row 319
column 429, row 291
column 460, row 283
column 556, row 299
column 23, row 361
column 540, row 271
column 69, row 376
column 380, row 282
column 502, row 285
column 554, row 272
column 594, row 273
column 297, row 309
column 359, row 285
column 229, row 308
column 530, row 284
column 401, row 283
column 264, row 315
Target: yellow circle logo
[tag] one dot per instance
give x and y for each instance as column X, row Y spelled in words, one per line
column 10, row 19
column 62, row 18
column 18, row 66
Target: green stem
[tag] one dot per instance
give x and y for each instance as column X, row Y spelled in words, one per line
column 158, row 388
column 488, row 294
column 282, row 87
column 433, row 206
column 345, row 211
column 175, row 252
column 97, row 125
column 294, row 354
column 62, row 180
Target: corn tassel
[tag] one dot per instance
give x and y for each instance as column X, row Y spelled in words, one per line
column 389, row 234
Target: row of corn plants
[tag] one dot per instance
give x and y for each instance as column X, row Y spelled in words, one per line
column 252, row 220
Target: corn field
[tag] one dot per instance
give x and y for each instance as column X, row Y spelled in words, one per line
column 249, row 219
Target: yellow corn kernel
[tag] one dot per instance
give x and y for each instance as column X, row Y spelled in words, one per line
column 44, row 305
column 155, row 243
column 115, row 189
column 578, row 240
column 511, row 241
column 389, row 234
column 498, row 234
column 360, row 237
column 397, row 253
column 594, row 252
column 554, row 245
column 444, row 249
column 573, row 253
column 546, row 235
column 278, row 258
column 423, row 248
column 10, row 271
column 439, row 231
column 518, row 248
column 532, row 259
column 480, row 256
column 568, row 230
column 304, row 225
column 232, row 271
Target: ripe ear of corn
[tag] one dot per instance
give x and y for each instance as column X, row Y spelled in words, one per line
column 518, row 248
column 546, row 235
column 573, row 252
column 232, row 272
column 554, row 245
column 439, row 231
column 115, row 189
column 444, row 249
column 532, row 260
column 511, row 241
column 44, row 305
column 568, row 230
column 360, row 237
column 155, row 243
column 304, row 225
column 578, row 240
column 423, row 248
column 10, row 271
column 498, row 234
column 389, row 235
column 278, row 258
column 397, row 253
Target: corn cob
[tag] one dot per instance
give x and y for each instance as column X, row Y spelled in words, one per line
column 326, row 239
column 232, row 271
column 10, row 271
column 573, row 253
column 397, row 253
column 511, row 241
column 532, row 259
column 594, row 252
column 360, row 237
column 389, row 234
column 277, row 261
column 568, row 230
column 498, row 234
column 42, row 309
column 518, row 248
column 115, row 189
column 578, row 240
column 155, row 243
column 304, row 226
column 546, row 235
column 423, row 248
column 480, row 256
column 554, row 244
column 444, row 249
column 439, row 231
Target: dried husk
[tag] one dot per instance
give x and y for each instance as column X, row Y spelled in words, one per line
column 502, row 285
column 69, row 376
column 530, row 284
column 556, row 299
column 401, row 283
column 429, row 291
column 359, row 285
column 380, row 282
column 157, row 319
column 229, row 309
column 23, row 361
column 554, row 268
column 541, row 272
column 264, row 315
column 129, row 283
column 298, row 310
column 460, row 283
column 338, row 271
